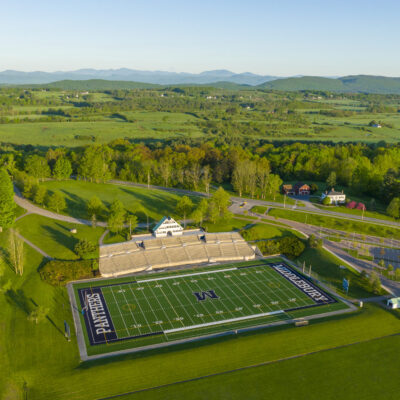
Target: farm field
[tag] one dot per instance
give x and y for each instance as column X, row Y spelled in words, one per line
column 151, row 126
column 140, row 201
column 150, row 310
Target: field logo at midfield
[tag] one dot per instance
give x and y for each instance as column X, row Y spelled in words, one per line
column 201, row 296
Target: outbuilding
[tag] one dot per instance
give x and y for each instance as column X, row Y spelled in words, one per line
column 394, row 303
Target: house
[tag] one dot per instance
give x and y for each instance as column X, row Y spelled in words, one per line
column 301, row 189
column 394, row 302
column 288, row 190
column 334, row 197
column 167, row 227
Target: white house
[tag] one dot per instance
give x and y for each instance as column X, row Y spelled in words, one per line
column 334, row 197
column 394, row 303
column 167, row 227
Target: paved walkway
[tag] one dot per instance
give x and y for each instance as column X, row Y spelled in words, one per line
column 39, row 250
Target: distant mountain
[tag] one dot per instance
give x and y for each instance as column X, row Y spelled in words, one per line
column 98, row 84
column 124, row 74
column 354, row 84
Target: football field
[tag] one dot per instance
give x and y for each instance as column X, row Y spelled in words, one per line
column 194, row 303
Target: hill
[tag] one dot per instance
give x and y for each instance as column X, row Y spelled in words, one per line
column 124, row 74
column 354, row 84
column 98, row 84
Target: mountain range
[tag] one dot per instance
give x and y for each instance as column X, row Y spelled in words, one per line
column 124, row 78
column 124, row 74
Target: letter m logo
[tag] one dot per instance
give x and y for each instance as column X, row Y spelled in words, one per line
column 203, row 295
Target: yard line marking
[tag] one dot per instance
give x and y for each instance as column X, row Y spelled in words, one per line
column 141, row 310
column 172, row 308
column 224, row 321
column 184, row 275
column 152, row 309
column 123, row 320
column 134, row 319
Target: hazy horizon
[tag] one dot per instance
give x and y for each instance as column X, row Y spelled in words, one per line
column 262, row 37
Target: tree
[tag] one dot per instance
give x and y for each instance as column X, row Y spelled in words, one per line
column 393, row 208
column 184, row 207
column 331, row 180
column 221, row 199
column 37, row 315
column 326, row 201
column 37, row 167
column 84, row 248
column 132, row 222
column 375, row 282
column 94, row 206
column 56, row 202
column 7, row 204
column 40, row 195
column 116, row 217
column 62, row 169
column 274, row 183
column 314, row 243
column 313, row 188
column 206, row 178
column 16, row 252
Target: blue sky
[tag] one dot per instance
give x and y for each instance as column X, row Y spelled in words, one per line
column 282, row 37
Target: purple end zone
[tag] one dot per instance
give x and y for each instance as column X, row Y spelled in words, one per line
column 308, row 288
column 99, row 325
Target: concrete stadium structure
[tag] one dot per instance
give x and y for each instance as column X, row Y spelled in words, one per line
column 145, row 252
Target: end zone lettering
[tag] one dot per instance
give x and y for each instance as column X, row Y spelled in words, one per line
column 306, row 287
column 98, row 321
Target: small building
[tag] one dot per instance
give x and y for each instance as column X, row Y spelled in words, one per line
column 302, row 189
column 334, row 197
column 394, row 303
column 299, row 189
column 167, row 227
column 288, row 190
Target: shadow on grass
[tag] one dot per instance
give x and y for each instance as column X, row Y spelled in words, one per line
column 61, row 238
column 18, row 299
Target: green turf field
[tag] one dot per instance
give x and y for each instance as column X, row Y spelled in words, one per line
column 131, row 313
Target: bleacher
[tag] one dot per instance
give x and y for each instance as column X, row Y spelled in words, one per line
column 152, row 253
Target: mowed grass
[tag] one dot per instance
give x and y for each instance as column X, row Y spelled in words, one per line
column 146, row 126
column 337, row 223
column 327, row 268
column 155, row 203
column 359, row 371
column 40, row 356
column 54, row 237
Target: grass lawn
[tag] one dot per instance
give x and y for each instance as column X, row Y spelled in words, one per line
column 54, row 237
column 345, row 210
column 157, row 203
column 223, row 226
column 326, row 267
column 337, row 223
column 354, row 372
column 40, row 356
column 266, row 231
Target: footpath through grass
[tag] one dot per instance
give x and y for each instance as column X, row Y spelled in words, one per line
column 54, row 237
column 337, row 223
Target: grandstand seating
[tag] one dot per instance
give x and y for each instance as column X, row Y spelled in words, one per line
column 132, row 256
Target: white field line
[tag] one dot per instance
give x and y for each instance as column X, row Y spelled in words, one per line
column 120, row 313
column 184, row 275
column 224, row 321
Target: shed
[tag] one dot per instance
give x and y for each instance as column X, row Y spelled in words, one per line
column 394, row 302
